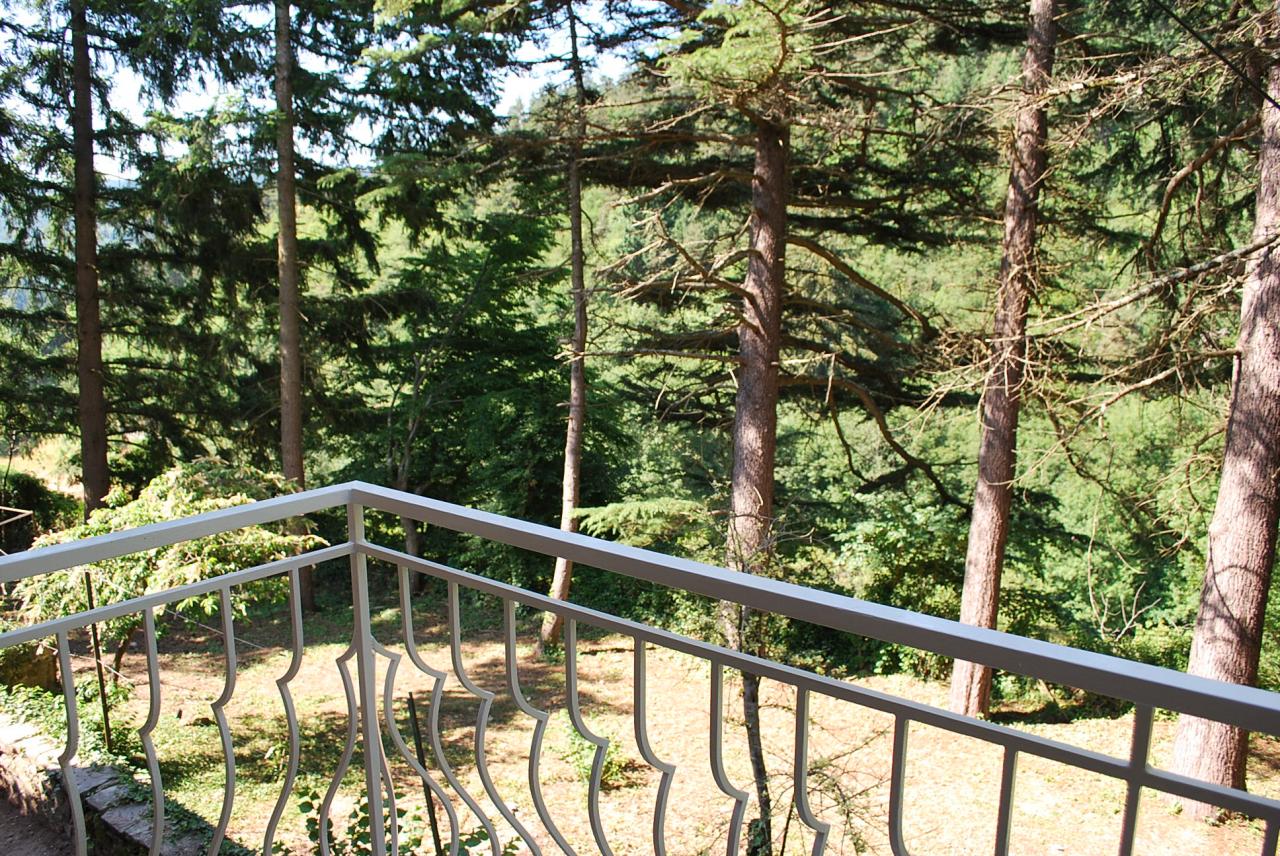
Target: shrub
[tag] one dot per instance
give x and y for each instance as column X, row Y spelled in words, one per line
column 205, row 485
column 354, row 838
column 50, row 509
column 580, row 753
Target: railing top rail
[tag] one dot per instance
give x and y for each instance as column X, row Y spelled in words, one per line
column 115, row 544
column 1251, row 708
column 1248, row 707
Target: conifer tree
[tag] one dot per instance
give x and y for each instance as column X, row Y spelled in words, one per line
column 767, row 113
column 291, row 407
column 989, row 522
column 562, row 574
column 1241, row 552
column 118, row 227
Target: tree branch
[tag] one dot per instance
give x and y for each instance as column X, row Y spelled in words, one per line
column 926, row 329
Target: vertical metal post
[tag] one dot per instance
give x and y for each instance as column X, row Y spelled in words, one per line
column 1004, row 813
column 366, row 670
column 897, row 783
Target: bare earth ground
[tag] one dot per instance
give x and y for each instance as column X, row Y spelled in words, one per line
column 952, row 781
column 28, row 836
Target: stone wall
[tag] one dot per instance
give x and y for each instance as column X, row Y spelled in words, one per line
column 117, row 821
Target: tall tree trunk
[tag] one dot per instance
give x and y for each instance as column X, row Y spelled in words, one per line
column 755, row 429
column 1242, row 535
column 96, row 477
column 563, row 575
column 92, row 411
column 287, row 258
column 1001, row 397
column 412, row 533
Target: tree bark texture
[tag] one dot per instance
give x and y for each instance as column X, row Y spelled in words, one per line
column 410, row 527
column 1001, row 397
column 287, row 260
column 570, row 485
column 92, row 411
column 750, row 540
column 412, row 541
column 1242, row 534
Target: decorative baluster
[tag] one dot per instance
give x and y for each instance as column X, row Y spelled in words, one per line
column 366, row 669
column 820, row 828
column 348, row 748
column 437, row 694
column 1008, row 773
column 73, row 744
column 601, row 743
column 1141, row 745
column 153, row 718
column 739, row 796
column 290, row 714
column 482, row 721
column 539, row 728
column 393, row 728
column 385, row 768
column 897, row 781
column 220, row 716
column 640, row 715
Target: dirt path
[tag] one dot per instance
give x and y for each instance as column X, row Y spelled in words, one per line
column 27, row 835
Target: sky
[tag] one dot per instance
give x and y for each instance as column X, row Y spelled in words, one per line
column 516, row 89
column 520, row 89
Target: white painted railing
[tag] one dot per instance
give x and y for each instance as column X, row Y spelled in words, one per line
column 9, row 516
column 1147, row 687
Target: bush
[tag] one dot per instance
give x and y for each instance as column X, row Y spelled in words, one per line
column 580, row 753
column 205, row 485
column 47, row 711
column 51, row 511
column 354, row 838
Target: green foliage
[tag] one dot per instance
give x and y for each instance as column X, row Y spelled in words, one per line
column 680, row 527
column 763, row 47
column 1269, row 665
column 580, row 753
column 51, row 510
column 202, row 486
column 47, row 711
column 908, row 551
column 414, row 838
column 1169, row 645
column 668, row 524
column 38, row 707
column 452, row 379
column 434, row 248
column 170, row 227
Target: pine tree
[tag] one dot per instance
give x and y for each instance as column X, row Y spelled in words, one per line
column 570, row 492
column 120, row 228
column 831, row 155
column 1242, row 536
column 989, row 527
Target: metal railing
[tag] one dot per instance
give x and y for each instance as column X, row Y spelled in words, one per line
column 1147, row 687
column 9, row 516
